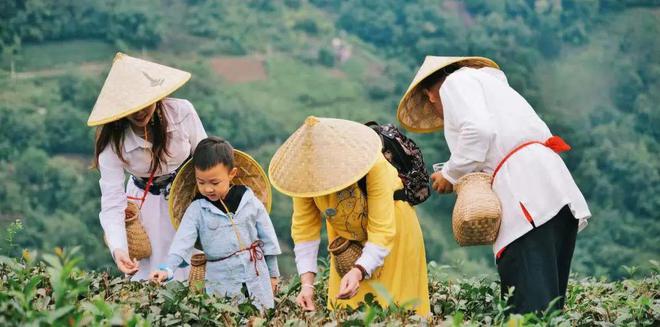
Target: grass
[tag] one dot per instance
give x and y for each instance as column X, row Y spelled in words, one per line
column 49, row 55
column 295, row 90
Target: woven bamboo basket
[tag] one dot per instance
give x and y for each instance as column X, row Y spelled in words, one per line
column 345, row 253
column 139, row 246
column 197, row 272
column 477, row 213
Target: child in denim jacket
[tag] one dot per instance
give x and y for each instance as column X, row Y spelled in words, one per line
column 233, row 227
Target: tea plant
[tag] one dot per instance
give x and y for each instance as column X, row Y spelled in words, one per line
column 52, row 290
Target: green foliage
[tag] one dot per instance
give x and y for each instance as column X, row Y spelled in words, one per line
column 78, row 95
column 589, row 68
column 615, row 167
column 49, row 54
column 8, row 246
column 131, row 25
column 326, row 57
column 55, row 291
column 307, row 25
column 116, row 21
column 21, row 128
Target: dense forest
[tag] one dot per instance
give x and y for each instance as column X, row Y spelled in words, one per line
column 590, row 68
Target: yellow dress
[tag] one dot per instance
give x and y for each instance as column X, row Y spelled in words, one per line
column 387, row 223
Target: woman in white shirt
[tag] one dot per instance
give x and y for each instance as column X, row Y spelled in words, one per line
column 489, row 127
column 142, row 132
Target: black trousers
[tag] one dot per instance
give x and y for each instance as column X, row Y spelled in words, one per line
column 537, row 265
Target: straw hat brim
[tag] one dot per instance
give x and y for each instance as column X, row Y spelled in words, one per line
column 323, row 156
column 250, row 174
column 414, row 112
column 132, row 85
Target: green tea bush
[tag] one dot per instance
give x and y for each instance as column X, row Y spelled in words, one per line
column 53, row 290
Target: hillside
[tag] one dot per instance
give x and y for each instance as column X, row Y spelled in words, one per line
column 260, row 67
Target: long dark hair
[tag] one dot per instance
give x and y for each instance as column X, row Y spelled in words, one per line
column 113, row 134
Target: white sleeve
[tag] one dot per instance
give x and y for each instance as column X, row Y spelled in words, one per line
column 113, row 199
column 183, row 243
column 457, row 167
column 306, row 254
column 194, row 128
column 464, row 105
column 373, row 256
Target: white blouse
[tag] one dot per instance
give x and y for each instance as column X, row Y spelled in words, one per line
column 184, row 130
column 484, row 119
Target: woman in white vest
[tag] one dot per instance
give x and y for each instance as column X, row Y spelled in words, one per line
column 142, row 132
column 490, row 127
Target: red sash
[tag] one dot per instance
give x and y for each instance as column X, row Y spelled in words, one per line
column 146, row 191
column 555, row 143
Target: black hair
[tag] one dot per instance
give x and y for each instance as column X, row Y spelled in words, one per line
column 212, row 151
column 439, row 75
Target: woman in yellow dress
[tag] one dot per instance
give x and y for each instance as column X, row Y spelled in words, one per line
column 335, row 172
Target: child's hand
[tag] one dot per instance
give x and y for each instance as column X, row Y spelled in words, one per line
column 275, row 284
column 158, row 276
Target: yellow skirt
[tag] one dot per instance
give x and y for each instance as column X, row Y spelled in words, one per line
column 403, row 274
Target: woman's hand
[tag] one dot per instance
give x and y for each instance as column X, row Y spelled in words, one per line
column 124, row 262
column 350, row 284
column 158, row 276
column 274, row 284
column 440, row 184
column 305, row 298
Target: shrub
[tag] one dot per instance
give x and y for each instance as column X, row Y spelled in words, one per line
column 54, row 291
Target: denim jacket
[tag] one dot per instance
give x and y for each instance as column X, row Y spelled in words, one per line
column 219, row 239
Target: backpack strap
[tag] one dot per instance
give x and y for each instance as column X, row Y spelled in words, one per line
column 400, row 195
column 362, row 184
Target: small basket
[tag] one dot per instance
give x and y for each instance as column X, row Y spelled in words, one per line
column 197, row 272
column 477, row 213
column 139, row 246
column 345, row 253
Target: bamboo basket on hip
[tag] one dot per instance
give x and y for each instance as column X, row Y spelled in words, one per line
column 477, row 213
column 139, row 245
column 184, row 190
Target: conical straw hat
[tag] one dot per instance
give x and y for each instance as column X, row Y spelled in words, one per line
column 250, row 174
column 415, row 112
column 133, row 84
column 324, row 155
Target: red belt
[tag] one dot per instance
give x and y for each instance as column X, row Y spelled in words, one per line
column 555, row 143
column 255, row 250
